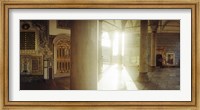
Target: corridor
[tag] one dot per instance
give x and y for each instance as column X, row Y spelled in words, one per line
column 100, row 54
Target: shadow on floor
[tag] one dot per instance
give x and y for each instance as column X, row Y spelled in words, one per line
column 38, row 83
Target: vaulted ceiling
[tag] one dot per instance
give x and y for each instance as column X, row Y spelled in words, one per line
column 164, row 26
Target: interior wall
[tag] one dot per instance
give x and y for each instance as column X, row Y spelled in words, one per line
column 84, row 36
column 53, row 30
column 33, row 58
column 170, row 42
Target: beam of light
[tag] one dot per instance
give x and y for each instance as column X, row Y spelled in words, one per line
column 116, row 44
column 105, row 40
column 130, row 85
column 105, row 67
column 110, row 79
column 114, row 79
column 123, row 37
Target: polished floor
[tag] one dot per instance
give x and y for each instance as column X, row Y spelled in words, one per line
column 116, row 77
column 38, row 83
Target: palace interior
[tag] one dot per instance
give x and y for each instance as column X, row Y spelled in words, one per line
column 100, row 54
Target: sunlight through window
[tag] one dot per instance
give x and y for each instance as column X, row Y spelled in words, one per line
column 105, row 40
column 116, row 44
column 130, row 85
column 114, row 79
column 123, row 37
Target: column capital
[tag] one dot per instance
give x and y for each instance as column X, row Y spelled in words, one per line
column 154, row 25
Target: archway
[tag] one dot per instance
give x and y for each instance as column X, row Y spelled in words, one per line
column 62, row 61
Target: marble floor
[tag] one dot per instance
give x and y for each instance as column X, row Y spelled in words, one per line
column 128, row 78
column 114, row 77
column 38, row 83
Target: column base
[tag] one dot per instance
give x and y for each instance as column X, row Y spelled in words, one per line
column 151, row 68
column 143, row 77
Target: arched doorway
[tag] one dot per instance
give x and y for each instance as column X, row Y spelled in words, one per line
column 62, row 62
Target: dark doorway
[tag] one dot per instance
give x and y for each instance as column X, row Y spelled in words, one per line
column 159, row 60
column 50, row 73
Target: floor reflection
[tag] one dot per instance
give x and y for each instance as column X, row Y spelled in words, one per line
column 116, row 77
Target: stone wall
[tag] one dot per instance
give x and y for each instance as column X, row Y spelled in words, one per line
column 169, row 43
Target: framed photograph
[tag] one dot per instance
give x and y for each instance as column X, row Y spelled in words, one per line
column 170, row 59
column 99, row 55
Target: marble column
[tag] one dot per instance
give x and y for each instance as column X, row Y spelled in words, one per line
column 100, row 56
column 154, row 26
column 143, row 67
column 55, row 59
column 85, row 54
column 153, row 50
column 143, row 47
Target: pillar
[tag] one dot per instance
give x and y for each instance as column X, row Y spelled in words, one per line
column 143, row 67
column 153, row 50
column 143, row 47
column 100, row 56
column 84, row 52
column 154, row 26
column 55, row 59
